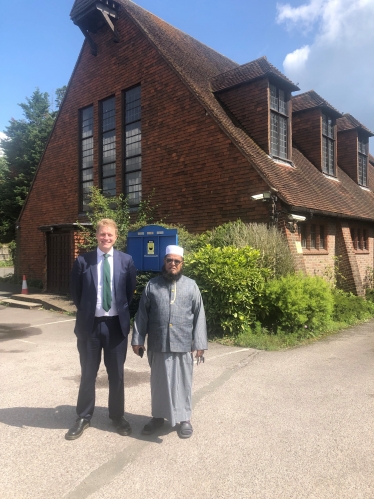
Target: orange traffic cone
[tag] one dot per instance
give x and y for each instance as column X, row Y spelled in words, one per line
column 25, row 291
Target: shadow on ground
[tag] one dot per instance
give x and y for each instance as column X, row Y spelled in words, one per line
column 62, row 417
column 17, row 331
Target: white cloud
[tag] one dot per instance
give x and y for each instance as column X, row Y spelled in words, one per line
column 296, row 60
column 338, row 63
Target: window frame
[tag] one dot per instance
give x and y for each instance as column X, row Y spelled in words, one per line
column 328, row 145
column 360, row 239
column 129, row 157
column 83, row 195
column 314, row 237
column 362, row 160
column 103, row 145
column 279, row 122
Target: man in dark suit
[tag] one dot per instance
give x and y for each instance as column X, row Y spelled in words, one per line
column 102, row 284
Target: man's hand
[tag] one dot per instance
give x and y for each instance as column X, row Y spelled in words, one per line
column 199, row 353
column 136, row 349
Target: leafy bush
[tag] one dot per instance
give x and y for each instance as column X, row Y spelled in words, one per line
column 274, row 250
column 117, row 209
column 349, row 308
column 141, row 280
column 231, row 282
column 12, row 248
column 297, row 302
column 369, row 295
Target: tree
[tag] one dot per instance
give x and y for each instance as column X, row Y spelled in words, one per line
column 23, row 147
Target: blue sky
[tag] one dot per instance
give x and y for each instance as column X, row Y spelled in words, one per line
column 324, row 45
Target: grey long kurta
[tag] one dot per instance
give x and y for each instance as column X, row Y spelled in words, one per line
column 172, row 316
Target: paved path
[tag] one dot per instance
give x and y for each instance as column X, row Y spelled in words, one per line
column 268, row 425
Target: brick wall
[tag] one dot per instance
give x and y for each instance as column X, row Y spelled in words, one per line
column 348, row 153
column 348, row 265
column 199, row 177
column 249, row 104
column 306, row 135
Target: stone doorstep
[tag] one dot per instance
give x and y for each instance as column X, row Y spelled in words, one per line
column 20, row 304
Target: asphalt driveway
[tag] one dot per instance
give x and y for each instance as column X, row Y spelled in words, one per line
column 267, row 425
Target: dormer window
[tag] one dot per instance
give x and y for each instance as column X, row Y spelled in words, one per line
column 278, row 123
column 328, row 145
column 362, row 160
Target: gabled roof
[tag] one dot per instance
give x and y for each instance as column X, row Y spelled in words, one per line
column 348, row 122
column 311, row 100
column 247, row 72
column 197, row 66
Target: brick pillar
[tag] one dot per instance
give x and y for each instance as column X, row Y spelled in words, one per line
column 347, row 266
column 292, row 239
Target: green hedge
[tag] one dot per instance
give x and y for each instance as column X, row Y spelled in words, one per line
column 297, row 302
column 231, row 282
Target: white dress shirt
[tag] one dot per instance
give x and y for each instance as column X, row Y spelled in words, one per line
column 100, row 312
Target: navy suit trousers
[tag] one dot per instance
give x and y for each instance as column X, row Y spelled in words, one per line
column 107, row 336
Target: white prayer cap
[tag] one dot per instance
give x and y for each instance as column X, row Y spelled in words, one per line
column 174, row 250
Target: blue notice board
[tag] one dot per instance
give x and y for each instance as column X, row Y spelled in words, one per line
column 147, row 246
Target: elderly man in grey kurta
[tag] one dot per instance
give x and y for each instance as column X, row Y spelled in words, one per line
column 171, row 313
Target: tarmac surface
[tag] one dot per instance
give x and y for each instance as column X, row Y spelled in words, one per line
column 293, row 424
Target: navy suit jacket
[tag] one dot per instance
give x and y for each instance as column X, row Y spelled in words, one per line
column 83, row 290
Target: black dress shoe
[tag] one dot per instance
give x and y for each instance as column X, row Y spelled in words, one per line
column 77, row 430
column 153, row 425
column 123, row 426
column 185, row 429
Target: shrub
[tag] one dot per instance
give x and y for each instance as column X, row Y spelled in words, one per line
column 12, row 249
column 274, row 250
column 231, row 282
column 349, row 308
column 297, row 302
column 141, row 281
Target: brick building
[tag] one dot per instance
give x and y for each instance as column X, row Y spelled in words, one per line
column 148, row 108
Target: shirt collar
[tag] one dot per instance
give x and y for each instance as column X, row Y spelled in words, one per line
column 100, row 253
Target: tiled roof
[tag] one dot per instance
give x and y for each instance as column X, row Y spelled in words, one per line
column 348, row 122
column 196, row 64
column 311, row 100
column 247, row 72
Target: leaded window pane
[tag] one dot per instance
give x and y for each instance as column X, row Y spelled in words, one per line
column 273, row 98
column 313, row 236
column 108, row 147
column 109, row 186
column 109, row 170
column 274, row 134
column 328, row 145
column 282, row 137
column 87, row 174
column 133, row 164
column 134, row 187
column 133, row 145
column 133, row 107
column 109, row 114
column 87, row 122
column 86, row 190
column 87, row 156
column 282, row 102
column 321, row 237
